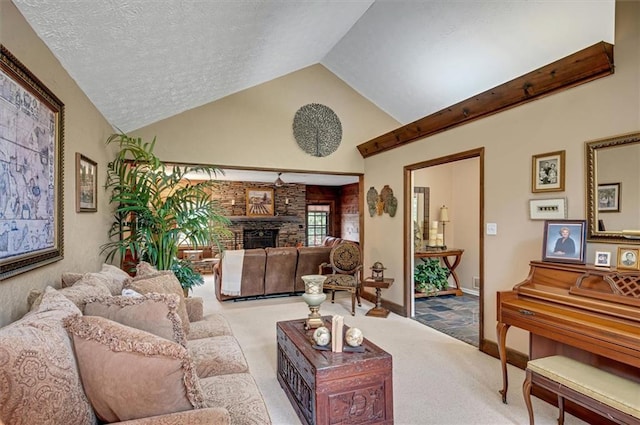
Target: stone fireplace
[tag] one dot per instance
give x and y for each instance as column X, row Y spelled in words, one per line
column 259, row 238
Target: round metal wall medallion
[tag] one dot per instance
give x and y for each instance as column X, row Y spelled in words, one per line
column 317, row 129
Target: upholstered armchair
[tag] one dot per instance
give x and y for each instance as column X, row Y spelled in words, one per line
column 345, row 263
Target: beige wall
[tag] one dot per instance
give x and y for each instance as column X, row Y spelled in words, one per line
column 85, row 131
column 606, row 107
column 253, row 128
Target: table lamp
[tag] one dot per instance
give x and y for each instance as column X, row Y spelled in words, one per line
column 314, row 296
column 444, row 218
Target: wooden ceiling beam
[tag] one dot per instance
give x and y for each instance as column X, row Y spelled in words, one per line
column 581, row 67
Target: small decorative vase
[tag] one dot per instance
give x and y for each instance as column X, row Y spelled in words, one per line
column 313, row 296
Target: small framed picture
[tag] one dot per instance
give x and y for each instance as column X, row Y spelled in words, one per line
column 564, row 241
column 628, row 258
column 260, row 202
column 609, row 197
column 547, row 172
column 86, row 184
column 602, row 259
column 547, row 209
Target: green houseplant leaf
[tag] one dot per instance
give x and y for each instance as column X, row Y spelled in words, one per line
column 430, row 276
column 157, row 208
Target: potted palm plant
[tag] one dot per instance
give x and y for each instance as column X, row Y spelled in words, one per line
column 157, row 208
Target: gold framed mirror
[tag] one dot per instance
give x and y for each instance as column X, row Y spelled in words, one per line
column 613, row 189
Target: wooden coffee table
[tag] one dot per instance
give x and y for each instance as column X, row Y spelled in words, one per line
column 333, row 388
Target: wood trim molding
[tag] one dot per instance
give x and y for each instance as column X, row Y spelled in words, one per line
column 578, row 68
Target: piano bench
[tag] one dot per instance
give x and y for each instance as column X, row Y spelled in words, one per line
column 604, row 393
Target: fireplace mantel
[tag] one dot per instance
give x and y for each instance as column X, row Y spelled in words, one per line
column 267, row 219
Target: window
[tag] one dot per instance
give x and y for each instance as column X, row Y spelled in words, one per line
column 317, row 224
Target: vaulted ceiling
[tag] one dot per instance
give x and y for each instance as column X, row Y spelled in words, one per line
column 140, row 61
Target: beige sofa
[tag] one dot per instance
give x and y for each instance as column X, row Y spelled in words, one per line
column 275, row 271
column 86, row 355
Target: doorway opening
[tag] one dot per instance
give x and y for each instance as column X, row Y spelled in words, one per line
column 454, row 186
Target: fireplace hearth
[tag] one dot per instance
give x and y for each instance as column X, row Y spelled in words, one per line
column 260, row 238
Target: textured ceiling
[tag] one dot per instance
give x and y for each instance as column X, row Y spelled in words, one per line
column 140, row 61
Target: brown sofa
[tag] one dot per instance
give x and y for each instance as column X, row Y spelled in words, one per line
column 276, row 271
column 85, row 355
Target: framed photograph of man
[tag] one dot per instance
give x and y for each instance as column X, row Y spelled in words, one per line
column 564, row 241
column 602, row 259
column 547, row 172
column 609, row 197
column 628, row 258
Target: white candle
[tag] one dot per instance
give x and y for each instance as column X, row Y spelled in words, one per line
column 286, row 201
column 233, row 202
column 434, row 225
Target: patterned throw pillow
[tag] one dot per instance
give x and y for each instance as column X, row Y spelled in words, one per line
column 90, row 285
column 130, row 374
column 164, row 282
column 153, row 313
column 37, row 365
column 112, row 276
column 144, row 269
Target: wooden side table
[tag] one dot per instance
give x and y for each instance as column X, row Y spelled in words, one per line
column 378, row 310
column 444, row 255
column 205, row 265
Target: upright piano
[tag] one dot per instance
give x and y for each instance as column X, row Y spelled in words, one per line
column 590, row 314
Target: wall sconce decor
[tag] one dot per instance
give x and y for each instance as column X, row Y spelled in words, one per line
column 384, row 202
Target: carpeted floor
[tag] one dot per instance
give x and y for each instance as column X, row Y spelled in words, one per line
column 456, row 316
column 437, row 380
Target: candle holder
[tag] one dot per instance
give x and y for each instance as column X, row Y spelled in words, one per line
column 314, row 297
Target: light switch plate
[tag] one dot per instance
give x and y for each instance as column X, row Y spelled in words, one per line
column 492, row 229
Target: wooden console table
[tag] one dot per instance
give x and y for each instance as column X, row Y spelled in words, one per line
column 334, row 388
column 444, row 255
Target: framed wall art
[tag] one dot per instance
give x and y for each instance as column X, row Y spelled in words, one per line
column 31, row 186
column 547, row 209
column 628, row 258
column 564, row 241
column 547, row 172
column 602, row 259
column 259, row 202
column 86, row 184
column 609, row 197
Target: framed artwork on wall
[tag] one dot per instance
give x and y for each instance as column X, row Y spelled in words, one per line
column 547, row 209
column 628, row 258
column 259, row 202
column 31, row 175
column 564, row 241
column 86, row 184
column 609, row 197
column 547, row 172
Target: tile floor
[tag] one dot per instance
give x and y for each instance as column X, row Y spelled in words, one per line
column 456, row 316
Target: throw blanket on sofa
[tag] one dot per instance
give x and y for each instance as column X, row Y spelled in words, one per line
column 232, row 272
